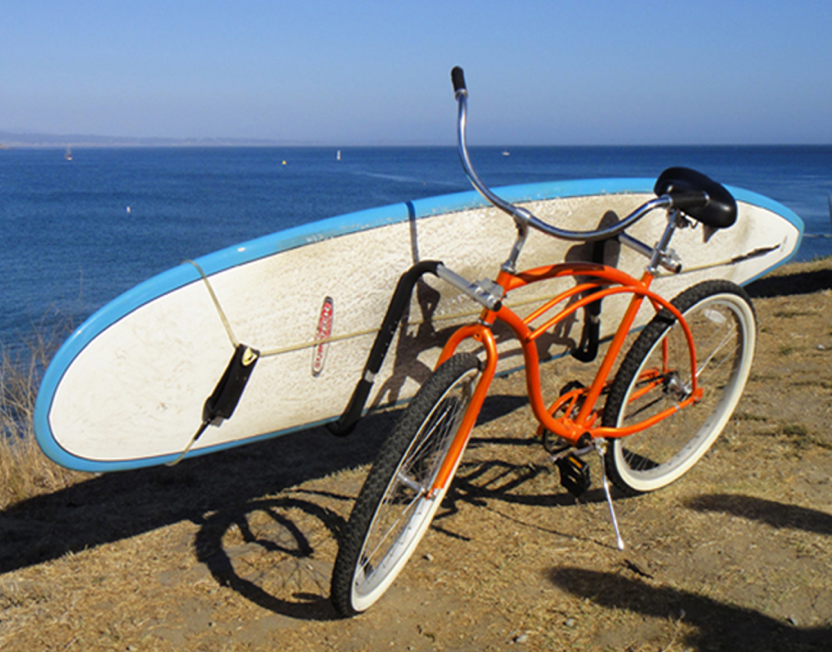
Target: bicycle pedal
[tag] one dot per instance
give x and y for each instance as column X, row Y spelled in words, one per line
column 574, row 474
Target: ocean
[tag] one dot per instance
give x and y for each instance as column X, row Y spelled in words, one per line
column 76, row 234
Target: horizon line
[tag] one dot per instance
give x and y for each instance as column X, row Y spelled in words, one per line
column 219, row 143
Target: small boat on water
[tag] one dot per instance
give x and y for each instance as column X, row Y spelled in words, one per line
column 68, row 154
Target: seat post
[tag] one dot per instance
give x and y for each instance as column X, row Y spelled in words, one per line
column 662, row 255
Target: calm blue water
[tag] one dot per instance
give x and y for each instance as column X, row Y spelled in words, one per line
column 70, row 244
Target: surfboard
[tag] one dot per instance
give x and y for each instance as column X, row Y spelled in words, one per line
column 283, row 323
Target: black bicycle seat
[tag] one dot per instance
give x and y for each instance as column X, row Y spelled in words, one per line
column 719, row 212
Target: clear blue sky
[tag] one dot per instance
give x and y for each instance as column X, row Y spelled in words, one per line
column 377, row 72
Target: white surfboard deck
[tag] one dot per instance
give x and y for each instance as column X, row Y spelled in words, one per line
column 127, row 389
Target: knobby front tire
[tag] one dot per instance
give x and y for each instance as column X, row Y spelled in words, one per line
column 392, row 511
column 723, row 323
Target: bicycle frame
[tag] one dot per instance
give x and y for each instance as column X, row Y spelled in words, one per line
column 405, row 487
column 608, row 281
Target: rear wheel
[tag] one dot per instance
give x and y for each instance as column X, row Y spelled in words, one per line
column 393, row 511
column 656, row 375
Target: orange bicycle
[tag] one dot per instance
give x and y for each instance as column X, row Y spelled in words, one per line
column 670, row 398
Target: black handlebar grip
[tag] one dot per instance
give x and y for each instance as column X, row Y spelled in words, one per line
column 458, row 79
column 686, row 201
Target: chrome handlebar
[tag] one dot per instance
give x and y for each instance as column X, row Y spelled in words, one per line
column 522, row 217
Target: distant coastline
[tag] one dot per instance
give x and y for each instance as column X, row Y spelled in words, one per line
column 13, row 140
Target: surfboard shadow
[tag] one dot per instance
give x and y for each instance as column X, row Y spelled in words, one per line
column 790, row 284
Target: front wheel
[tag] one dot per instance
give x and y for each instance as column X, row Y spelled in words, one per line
column 393, row 509
column 656, row 375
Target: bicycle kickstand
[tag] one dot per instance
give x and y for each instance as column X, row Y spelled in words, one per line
column 601, row 447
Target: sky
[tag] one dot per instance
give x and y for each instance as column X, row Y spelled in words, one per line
column 376, row 72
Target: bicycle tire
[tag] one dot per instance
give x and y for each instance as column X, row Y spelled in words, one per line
column 723, row 324
column 392, row 513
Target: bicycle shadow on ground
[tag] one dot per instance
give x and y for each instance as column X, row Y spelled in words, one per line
column 719, row 626
column 283, row 559
column 283, row 549
column 286, row 546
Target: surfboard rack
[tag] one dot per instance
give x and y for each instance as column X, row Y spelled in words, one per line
column 399, row 303
column 226, row 395
column 587, row 349
column 223, row 401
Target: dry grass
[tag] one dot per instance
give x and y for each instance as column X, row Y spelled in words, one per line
column 24, row 470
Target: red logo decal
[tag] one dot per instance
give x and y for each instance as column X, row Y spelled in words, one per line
column 322, row 336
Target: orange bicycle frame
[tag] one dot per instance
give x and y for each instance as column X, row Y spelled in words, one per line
column 606, row 281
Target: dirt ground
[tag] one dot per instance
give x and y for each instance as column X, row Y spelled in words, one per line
column 234, row 551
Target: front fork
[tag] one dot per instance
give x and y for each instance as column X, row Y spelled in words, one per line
column 485, row 337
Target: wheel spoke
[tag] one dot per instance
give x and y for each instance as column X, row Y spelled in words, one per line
column 728, row 336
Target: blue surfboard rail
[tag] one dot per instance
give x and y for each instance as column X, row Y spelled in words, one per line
column 292, row 238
